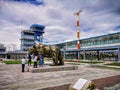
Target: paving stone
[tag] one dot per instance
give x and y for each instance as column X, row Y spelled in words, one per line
column 11, row 77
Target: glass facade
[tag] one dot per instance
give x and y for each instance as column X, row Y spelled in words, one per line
column 105, row 40
column 101, row 40
column 27, row 39
column 90, row 48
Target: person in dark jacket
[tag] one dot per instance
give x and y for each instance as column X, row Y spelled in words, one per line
column 41, row 61
column 29, row 59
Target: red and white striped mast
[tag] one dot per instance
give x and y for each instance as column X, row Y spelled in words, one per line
column 78, row 28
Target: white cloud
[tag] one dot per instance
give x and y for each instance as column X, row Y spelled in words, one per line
column 100, row 17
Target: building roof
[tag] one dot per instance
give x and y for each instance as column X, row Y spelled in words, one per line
column 29, row 31
column 37, row 25
column 101, row 35
column 16, row 51
column 88, row 38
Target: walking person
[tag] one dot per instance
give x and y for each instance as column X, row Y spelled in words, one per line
column 23, row 64
column 29, row 59
column 41, row 61
column 35, row 61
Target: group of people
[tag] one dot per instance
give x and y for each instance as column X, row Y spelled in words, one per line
column 40, row 59
column 35, row 61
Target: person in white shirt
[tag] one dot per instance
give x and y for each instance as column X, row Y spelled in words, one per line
column 23, row 64
column 35, row 61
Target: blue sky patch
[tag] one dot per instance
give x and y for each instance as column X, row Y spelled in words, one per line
column 87, row 29
column 117, row 28
column 35, row 2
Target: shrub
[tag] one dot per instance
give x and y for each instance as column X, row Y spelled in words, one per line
column 115, row 87
column 91, row 86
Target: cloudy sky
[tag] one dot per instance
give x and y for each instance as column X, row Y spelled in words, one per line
column 98, row 17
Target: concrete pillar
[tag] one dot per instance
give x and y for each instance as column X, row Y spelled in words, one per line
column 78, row 55
column 66, row 46
column 64, row 54
column 119, row 54
column 84, row 55
column 98, row 55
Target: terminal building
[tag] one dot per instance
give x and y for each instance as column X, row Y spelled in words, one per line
column 32, row 36
column 105, row 47
column 2, row 50
column 17, row 54
column 27, row 39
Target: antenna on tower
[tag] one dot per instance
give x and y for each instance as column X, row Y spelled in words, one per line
column 77, row 14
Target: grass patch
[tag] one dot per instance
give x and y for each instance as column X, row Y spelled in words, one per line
column 114, row 64
column 17, row 62
column 81, row 61
column 84, row 61
column 99, row 66
column 74, row 63
column 13, row 62
column 91, row 62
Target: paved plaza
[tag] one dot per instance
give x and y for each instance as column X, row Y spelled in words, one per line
column 11, row 77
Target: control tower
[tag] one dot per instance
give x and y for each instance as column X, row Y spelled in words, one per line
column 38, row 31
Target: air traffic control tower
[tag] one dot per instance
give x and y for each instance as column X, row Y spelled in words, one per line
column 38, row 32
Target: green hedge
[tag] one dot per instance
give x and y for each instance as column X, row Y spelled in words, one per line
column 84, row 61
column 104, row 66
column 114, row 64
column 115, row 87
column 92, row 62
